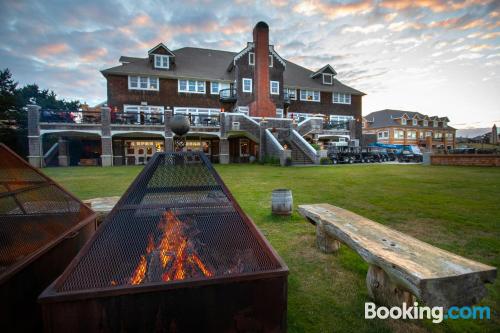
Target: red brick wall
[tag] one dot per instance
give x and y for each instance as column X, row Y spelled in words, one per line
column 466, row 159
column 119, row 94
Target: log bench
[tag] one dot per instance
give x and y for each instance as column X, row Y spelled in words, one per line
column 402, row 268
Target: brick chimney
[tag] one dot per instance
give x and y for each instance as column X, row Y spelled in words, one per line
column 262, row 106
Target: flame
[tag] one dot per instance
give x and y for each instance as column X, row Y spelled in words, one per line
column 175, row 251
column 140, row 272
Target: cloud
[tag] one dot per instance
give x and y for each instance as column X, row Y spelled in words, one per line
column 52, row 49
column 364, row 30
column 333, row 10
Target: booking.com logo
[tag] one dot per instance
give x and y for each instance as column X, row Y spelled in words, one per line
column 437, row 313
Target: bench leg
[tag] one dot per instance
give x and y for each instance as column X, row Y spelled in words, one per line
column 324, row 241
column 384, row 291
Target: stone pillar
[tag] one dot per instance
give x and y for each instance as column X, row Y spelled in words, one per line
column 35, row 156
column 63, row 152
column 106, row 142
column 224, row 151
column 262, row 140
column 169, row 137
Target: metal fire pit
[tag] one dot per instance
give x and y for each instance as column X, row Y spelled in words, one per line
column 42, row 228
column 176, row 254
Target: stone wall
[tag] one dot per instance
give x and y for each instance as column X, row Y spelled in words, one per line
column 466, row 159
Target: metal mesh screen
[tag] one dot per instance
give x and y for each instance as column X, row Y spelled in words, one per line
column 33, row 210
column 176, row 222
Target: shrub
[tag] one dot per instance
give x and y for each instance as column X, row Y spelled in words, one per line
column 315, row 146
column 325, row 161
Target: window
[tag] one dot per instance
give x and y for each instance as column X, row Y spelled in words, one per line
column 415, row 122
column 251, row 58
column 143, row 83
column 438, row 135
column 279, row 113
column 309, row 95
column 291, row 93
column 411, row 135
column 162, row 61
column 215, row 87
column 429, row 133
column 270, row 60
column 449, row 135
column 243, row 109
column 146, row 111
column 275, row 87
column 191, row 86
column 421, row 135
column 399, row 134
column 383, row 135
column 247, row 85
column 426, row 123
column 327, row 78
column 435, row 123
column 403, row 121
column 339, row 98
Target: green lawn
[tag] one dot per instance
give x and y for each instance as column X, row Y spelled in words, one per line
column 454, row 208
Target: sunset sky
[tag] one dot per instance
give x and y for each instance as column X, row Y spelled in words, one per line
column 437, row 57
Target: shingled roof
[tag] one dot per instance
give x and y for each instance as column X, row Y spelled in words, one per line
column 388, row 117
column 208, row 64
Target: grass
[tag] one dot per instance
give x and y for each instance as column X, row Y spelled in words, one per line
column 454, row 208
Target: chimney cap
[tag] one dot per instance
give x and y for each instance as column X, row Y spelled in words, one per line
column 262, row 25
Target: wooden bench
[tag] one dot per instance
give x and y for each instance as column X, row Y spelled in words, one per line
column 401, row 267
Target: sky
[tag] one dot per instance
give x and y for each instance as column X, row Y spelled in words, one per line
column 438, row 57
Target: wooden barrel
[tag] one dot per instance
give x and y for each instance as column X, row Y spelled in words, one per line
column 282, row 202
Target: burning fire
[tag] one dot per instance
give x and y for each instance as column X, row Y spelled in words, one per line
column 173, row 257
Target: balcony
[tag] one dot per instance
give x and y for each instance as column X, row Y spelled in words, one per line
column 70, row 117
column 337, row 125
column 137, row 118
column 229, row 95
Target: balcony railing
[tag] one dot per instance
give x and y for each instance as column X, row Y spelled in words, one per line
column 138, row 118
column 337, row 125
column 202, row 120
column 228, row 95
column 70, row 117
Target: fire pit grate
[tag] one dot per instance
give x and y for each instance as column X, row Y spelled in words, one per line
column 42, row 227
column 176, row 243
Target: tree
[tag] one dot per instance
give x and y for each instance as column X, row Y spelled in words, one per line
column 13, row 116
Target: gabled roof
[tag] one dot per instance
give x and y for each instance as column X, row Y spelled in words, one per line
column 250, row 47
column 322, row 70
column 208, row 64
column 388, row 117
column 161, row 45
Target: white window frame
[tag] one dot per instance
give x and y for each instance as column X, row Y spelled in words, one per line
column 415, row 122
column 310, row 93
column 397, row 137
column 288, row 90
column 434, row 123
column 270, row 60
column 327, row 75
column 197, row 84
column 251, row 58
column 426, row 123
column 243, row 85
column 409, row 136
column 162, row 58
column 383, row 135
column 341, row 98
column 277, row 91
column 279, row 113
column 403, row 121
column 139, row 79
column 243, row 109
column 146, row 109
column 220, row 86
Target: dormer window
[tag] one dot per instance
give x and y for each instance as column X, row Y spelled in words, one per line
column 426, row 123
column 415, row 122
column 162, row 61
column 403, row 121
column 435, row 123
column 251, row 58
column 327, row 78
